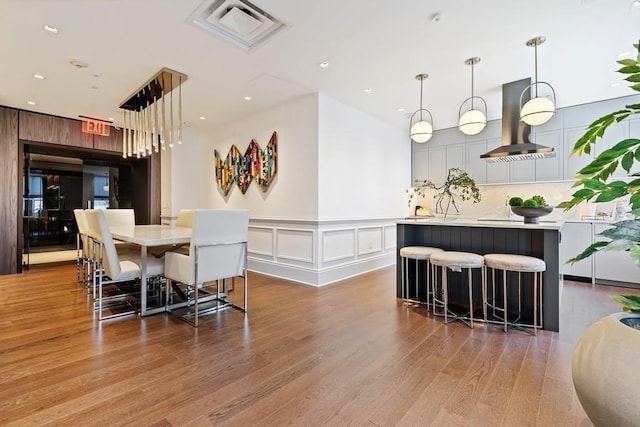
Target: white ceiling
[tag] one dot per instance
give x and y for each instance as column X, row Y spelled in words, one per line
column 369, row 44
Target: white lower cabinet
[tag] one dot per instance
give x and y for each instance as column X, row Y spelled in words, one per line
column 576, row 237
column 614, row 265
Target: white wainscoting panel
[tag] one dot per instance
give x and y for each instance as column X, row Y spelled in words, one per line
column 294, row 244
column 338, row 244
column 369, row 240
column 390, row 240
column 260, row 240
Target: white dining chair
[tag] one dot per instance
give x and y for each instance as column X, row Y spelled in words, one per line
column 113, row 269
column 120, row 217
column 218, row 251
column 185, row 218
column 82, row 246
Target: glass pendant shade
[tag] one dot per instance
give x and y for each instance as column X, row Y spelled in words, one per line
column 421, row 131
column 537, row 111
column 542, row 103
column 472, row 122
column 474, row 119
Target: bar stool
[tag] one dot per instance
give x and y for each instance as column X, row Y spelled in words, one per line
column 456, row 261
column 418, row 253
column 520, row 264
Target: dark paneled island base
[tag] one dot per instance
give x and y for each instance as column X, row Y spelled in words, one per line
column 484, row 237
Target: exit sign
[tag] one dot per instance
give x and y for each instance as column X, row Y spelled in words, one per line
column 96, row 127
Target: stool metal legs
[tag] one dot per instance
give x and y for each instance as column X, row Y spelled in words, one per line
column 443, row 303
column 489, row 302
column 405, row 282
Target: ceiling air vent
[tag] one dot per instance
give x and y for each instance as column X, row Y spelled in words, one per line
column 237, row 21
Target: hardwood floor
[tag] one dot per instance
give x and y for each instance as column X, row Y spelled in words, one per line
column 346, row 354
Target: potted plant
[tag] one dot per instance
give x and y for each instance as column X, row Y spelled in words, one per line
column 458, row 186
column 531, row 209
column 608, row 389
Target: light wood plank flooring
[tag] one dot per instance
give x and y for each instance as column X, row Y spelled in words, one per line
column 346, row 354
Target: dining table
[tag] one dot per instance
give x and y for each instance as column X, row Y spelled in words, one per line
column 147, row 236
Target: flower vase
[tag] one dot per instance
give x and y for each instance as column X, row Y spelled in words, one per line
column 447, row 205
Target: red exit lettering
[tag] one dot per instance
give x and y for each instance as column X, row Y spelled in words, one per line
column 96, row 127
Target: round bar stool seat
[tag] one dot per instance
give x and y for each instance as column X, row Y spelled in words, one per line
column 417, row 253
column 519, row 264
column 456, row 261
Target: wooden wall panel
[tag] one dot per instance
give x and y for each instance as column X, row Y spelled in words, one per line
column 112, row 143
column 9, row 191
column 53, row 130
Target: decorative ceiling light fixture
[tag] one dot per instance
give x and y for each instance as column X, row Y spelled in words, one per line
column 540, row 108
column 473, row 121
column 148, row 126
column 422, row 130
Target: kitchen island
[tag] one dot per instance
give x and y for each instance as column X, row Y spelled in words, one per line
column 483, row 237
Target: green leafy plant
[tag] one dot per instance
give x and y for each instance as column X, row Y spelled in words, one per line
column 515, row 201
column 629, row 302
column 530, row 203
column 458, row 182
column 540, row 200
column 595, row 185
column 625, row 235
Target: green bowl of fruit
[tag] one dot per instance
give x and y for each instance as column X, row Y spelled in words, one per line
column 531, row 209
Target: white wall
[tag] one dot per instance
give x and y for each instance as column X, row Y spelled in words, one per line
column 364, row 164
column 293, row 193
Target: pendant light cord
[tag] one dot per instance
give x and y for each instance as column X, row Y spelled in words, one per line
column 421, row 80
column 535, row 48
column 472, row 64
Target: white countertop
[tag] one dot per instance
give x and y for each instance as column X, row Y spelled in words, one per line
column 472, row 222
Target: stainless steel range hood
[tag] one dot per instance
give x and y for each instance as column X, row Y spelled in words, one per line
column 515, row 133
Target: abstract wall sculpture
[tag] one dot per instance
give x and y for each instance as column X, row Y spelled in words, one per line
column 255, row 164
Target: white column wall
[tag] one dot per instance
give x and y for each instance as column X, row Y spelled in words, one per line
column 364, row 164
column 330, row 212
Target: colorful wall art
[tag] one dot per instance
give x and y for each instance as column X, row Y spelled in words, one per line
column 255, row 164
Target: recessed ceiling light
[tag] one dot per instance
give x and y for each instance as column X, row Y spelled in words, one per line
column 38, row 76
column 323, row 64
column 51, row 29
column 202, row 118
column 110, row 119
column 31, row 103
column 401, row 110
column 247, row 98
column 368, row 90
column 96, row 74
column 78, row 63
column 616, row 84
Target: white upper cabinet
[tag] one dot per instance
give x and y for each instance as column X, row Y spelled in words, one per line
column 550, row 169
column 496, row 172
column 438, row 165
column 476, row 167
column 455, row 156
column 420, row 166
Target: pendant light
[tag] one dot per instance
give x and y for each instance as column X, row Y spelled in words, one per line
column 474, row 120
column 422, row 130
column 540, row 108
column 149, row 127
